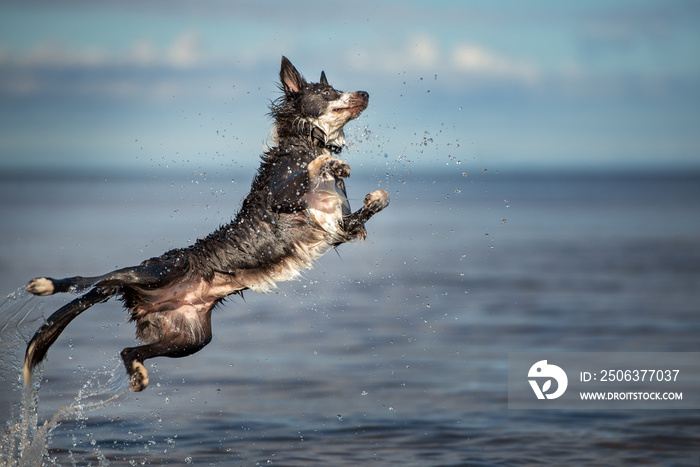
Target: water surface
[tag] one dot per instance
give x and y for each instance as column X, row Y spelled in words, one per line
column 393, row 352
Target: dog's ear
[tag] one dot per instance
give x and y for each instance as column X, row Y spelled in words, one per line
column 291, row 79
column 323, row 78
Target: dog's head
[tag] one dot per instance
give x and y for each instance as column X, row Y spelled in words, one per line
column 314, row 110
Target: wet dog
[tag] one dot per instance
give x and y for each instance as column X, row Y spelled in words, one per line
column 296, row 211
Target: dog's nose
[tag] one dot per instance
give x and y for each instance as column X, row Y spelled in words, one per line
column 364, row 95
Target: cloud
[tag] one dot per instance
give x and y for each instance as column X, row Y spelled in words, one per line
column 475, row 59
column 186, row 50
column 54, row 53
column 424, row 54
column 54, row 67
column 143, row 52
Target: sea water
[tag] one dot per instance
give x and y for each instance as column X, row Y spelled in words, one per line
column 394, row 351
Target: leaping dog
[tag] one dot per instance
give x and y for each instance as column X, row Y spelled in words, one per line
column 296, row 211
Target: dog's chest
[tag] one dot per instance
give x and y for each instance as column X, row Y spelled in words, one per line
column 327, row 204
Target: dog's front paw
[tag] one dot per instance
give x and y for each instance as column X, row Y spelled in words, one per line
column 339, row 168
column 328, row 163
column 377, row 200
column 40, row 286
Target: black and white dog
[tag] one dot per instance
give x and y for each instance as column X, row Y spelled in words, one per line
column 296, row 211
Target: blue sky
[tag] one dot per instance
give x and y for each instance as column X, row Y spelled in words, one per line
column 503, row 85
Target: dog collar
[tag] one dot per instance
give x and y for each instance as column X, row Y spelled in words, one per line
column 333, row 149
column 317, row 137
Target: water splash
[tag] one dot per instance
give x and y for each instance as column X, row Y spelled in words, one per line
column 20, row 315
column 23, row 441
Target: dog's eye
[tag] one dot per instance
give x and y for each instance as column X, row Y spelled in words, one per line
column 326, row 93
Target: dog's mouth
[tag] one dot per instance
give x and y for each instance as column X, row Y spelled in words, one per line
column 354, row 104
column 354, row 109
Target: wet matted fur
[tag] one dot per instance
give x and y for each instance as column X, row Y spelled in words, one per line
column 296, row 211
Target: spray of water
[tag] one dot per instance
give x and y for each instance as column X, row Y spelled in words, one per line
column 24, row 442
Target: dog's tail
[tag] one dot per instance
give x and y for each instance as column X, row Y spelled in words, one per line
column 54, row 326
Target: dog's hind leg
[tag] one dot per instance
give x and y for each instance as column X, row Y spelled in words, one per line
column 151, row 274
column 374, row 202
column 48, row 286
column 175, row 340
column 57, row 322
